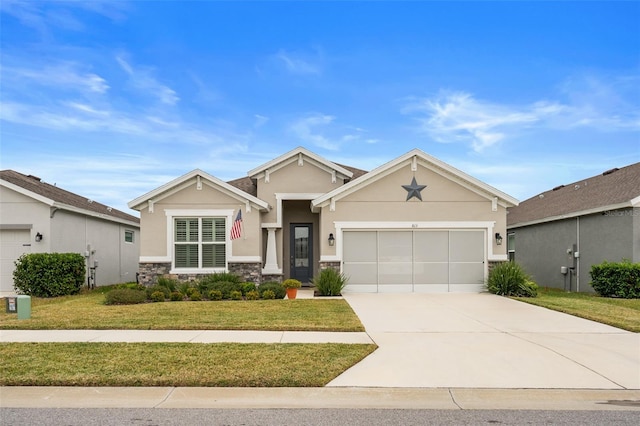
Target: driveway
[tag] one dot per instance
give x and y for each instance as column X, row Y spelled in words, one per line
column 487, row 341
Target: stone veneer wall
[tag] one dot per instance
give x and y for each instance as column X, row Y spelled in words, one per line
column 272, row 277
column 148, row 273
column 493, row 263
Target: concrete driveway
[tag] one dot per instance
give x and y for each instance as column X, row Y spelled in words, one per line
column 487, row 341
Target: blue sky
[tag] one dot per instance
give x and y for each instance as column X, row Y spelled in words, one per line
column 113, row 99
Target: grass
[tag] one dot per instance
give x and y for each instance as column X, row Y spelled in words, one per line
column 621, row 313
column 176, row 364
column 88, row 311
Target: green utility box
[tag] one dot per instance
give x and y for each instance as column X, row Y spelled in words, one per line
column 24, row 307
column 19, row 304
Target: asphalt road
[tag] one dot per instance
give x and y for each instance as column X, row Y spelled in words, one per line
column 267, row 417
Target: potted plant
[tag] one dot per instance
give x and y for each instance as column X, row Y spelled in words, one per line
column 291, row 286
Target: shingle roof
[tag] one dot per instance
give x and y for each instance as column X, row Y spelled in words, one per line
column 614, row 187
column 59, row 195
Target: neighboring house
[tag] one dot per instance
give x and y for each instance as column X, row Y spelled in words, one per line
column 414, row 224
column 36, row 217
column 559, row 234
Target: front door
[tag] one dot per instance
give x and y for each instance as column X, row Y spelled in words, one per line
column 301, row 245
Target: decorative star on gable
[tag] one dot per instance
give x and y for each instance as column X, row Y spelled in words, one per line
column 414, row 189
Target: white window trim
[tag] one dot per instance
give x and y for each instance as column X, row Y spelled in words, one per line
column 172, row 214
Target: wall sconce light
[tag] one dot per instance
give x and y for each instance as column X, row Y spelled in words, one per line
column 498, row 239
column 332, row 240
column 38, row 237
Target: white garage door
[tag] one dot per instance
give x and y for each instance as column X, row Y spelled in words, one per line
column 13, row 243
column 398, row 261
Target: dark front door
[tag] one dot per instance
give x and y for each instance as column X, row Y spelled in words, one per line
column 301, row 252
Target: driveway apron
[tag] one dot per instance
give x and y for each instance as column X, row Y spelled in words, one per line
column 486, row 341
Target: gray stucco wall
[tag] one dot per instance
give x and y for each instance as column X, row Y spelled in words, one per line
column 542, row 249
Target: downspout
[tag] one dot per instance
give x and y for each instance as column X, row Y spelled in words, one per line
column 578, row 251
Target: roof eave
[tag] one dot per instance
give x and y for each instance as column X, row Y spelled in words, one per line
column 572, row 215
column 297, row 151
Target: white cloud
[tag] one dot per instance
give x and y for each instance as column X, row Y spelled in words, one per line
column 308, row 130
column 63, row 75
column 296, row 63
column 591, row 102
column 261, row 120
column 143, row 80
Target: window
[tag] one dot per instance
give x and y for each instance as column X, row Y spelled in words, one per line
column 128, row 236
column 511, row 246
column 200, row 242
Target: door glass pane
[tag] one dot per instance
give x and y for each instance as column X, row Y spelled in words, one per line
column 301, row 240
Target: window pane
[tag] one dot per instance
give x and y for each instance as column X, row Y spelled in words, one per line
column 213, row 256
column 207, row 229
column 186, row 230
column 193, row 229
column 181, row 230
column 221, row 230
column 511, row 242
column 186, row 256
column 128, row 236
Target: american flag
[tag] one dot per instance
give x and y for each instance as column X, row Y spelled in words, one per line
column 236, row 228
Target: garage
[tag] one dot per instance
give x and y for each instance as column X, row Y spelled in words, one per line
column 421, row 261
column 13, row 243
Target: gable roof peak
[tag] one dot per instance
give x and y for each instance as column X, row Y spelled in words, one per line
column 299, row 152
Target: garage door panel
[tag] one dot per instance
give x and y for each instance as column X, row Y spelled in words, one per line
column 395, row 288
column 466, row 273
column 466, row 246
column 395, row 246
column 361, row 246
column 395, row 273
column 431, row 246
column 361, row 273
column 431, row 273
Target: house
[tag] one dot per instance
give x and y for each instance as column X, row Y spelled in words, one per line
column 36, row 217
column 414, row 224
column 557, row 235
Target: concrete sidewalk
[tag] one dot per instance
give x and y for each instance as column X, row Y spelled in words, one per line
column 318, row 398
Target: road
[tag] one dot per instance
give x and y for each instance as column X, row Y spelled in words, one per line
column 267, row 417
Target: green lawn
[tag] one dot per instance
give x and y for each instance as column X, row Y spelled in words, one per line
column 176, row 364
column 621, row 313
column 88, row 311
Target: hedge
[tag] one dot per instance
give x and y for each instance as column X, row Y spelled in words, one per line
column 49, row 274
column 616, row 279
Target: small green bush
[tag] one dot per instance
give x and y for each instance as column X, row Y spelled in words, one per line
column 133, row 286
column 247, row 287
column 291, row 283
column 235, row 295
column 125, row 296
column 185, row 288
column 215, row 295
column 158, row 288
column 278, row 290
column 209, row 282
column 169, row 283
column 196, row 296
column 176, row 296
column 49, row 274
column 253, row 295
column 157, row 296
column 268, row 294
column 225, row 287
column 616, row 279
column 509, row 279
column 330, row 282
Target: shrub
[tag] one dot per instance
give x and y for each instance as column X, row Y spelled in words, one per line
column 157, row 296
column 275, row 287
column 215, row 295
column 176, row 296
column 291, row 283
column 509, row 279
column 226, row 287
column 268, row 294
column 125, row 296
column 132, row 286
column 196, row 296
column 158, row 288
column 616, row 279
column 208, row 282
column 253, row 295
column 169, row 283
column 330, row 282
column 49, row 274
column 235, row 295
column 185, row 288
column 247, row 287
